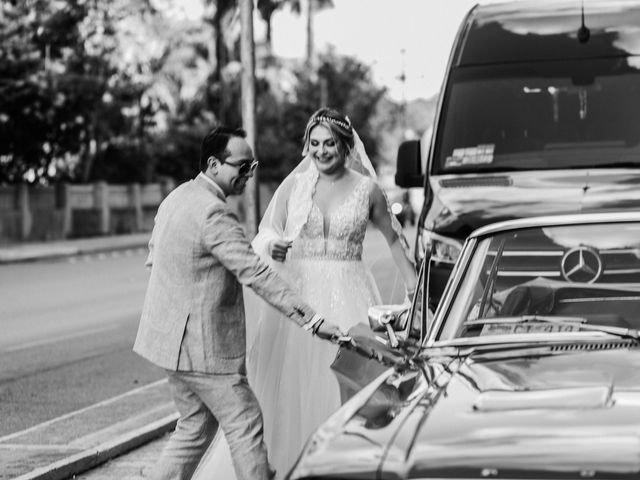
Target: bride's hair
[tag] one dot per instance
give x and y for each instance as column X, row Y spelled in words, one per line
column 339, row 125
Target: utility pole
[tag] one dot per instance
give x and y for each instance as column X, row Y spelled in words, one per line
column 247, row 57
column 403, row 106
column 308, row 15
column 324, row 86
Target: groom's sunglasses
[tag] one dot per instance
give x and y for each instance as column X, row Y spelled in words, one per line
column 244, row 168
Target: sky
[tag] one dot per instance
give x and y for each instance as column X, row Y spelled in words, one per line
column 377, row 31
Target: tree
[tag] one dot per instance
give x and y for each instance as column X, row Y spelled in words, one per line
column 226, row 29
column 68, row 92
column 309, row 8
column 282, row 117
column 123, row 92
column 39, row 119
column 267, row 8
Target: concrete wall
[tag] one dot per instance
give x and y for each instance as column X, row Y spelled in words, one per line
column 37, row 213
column 68, row 211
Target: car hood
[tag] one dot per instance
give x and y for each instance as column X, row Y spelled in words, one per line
column 461, row 204
column 554, row 413
column 539, row 413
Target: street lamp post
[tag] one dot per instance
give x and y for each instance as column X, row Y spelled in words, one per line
column 403, row 106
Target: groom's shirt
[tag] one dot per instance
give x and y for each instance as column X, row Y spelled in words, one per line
column 215, row 186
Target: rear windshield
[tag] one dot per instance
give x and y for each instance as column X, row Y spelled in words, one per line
column 542, row 115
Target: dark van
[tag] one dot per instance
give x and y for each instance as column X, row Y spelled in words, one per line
column 539, row 113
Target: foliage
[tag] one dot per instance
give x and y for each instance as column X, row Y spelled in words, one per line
column 342, row 82
column 124, row 91
column 37, row 121
column 80, row 85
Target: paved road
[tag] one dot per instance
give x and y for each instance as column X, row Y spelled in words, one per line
column 67, row 330
column 66, row 366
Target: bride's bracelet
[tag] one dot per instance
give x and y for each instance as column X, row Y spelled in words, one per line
column 314, row 324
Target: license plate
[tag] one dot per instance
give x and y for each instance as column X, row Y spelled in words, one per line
column 519, row 328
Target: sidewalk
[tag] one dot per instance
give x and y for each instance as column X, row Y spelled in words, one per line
column 66, row 446
column 32, row 251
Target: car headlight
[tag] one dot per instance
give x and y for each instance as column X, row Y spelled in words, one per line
column 443, row 249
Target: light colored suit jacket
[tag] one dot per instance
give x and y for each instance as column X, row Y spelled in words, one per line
column 193, row 314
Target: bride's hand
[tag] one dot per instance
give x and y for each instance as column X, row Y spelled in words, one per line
column 278, row 249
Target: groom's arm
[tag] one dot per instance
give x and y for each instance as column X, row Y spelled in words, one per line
column 226, row 240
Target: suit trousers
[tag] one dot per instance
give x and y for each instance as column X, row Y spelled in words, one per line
column 204, row 402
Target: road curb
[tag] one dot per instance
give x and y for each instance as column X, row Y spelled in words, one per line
column 9, row 257
column 92, row 457
column 21, row 257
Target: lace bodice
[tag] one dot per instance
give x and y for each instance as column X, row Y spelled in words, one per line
column 346, row 229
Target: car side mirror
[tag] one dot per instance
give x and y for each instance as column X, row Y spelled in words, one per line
column 389, row 318
column 409, row 165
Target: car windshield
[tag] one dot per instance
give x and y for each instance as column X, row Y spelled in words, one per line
column 541, row 115
column 549, row 280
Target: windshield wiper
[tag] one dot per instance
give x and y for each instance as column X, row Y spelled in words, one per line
column 577, row 322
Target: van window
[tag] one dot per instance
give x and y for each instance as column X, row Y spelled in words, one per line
column 541, row 115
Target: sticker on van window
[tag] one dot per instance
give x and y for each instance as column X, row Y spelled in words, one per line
column 462, row 157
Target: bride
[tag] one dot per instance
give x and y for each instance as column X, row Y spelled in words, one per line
column 312, row 233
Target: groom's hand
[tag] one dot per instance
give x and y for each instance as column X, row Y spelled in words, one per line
column 329, row 331
column 278, row 249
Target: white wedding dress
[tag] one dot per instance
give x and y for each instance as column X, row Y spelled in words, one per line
column 289, row 369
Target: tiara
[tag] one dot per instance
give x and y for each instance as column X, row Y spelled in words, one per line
column 340, row 123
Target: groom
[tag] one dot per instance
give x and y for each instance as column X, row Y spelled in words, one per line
column 193, row 323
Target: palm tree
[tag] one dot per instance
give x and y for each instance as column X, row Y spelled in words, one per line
column 310, row 7
column 223, row 8
column 268, row 7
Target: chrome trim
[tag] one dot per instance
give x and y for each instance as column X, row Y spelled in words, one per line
column 414, row 302
column 479, row 476
column 556, row 220
column 524, row 273
column 620, row 251
column 449, row 291
column 598, row 299
column 553, row 273
column 529, row 253
column 547, row 339
column 559, row 253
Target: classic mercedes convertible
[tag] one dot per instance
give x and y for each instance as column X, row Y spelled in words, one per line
column 529, row 368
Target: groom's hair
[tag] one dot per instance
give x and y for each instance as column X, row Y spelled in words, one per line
column 215, row 143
